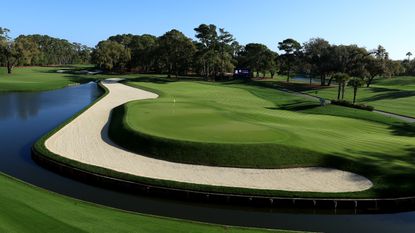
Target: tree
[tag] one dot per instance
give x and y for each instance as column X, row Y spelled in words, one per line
column 258, row 58
column 19, row 51
column 110, row 55
column 175, row 52
column 317, row 53
column 341, row 80
column 225, row 40
column 208, row 42
column 356, row 83
column 142, row 49
column 4, row 37
column 143, row 52
column 292, row 49
column 409, row 54
column 376, row 64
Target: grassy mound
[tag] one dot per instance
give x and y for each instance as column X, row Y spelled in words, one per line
column 25, row 208
column 244, row 116
column 249, row 126
column 261, row 155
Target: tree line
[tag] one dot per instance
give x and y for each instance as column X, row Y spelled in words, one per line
column 214, row 53
column 40, row 50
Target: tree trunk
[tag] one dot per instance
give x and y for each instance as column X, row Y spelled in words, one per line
column 354, row 94
column 339, row 91
column 322, row 80
column 310, row 79
column 369, row 81
column 343, row 87
column 288, row 75
column 9, row 67
column 169, row 71
column 330, row 80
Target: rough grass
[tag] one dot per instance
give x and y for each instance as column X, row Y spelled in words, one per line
column 25, row 208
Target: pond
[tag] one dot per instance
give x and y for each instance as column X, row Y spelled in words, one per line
column 24, row 117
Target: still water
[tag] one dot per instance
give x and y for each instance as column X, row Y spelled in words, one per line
column 24, row 117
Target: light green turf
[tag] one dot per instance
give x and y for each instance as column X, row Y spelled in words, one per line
column 396, row 95
column 25, row 208
column 35, row 79
column 46, row 78
column 242, row 114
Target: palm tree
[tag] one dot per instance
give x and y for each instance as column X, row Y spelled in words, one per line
column 409, row 54
column 341, row 80
column 356, row 83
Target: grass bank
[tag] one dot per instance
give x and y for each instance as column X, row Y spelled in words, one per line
column 25, row 208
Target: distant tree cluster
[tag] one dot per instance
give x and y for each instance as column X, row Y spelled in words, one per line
column 40, row 50
column 212, row 55
column 215, row 53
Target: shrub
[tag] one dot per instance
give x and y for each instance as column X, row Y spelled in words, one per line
column 346, row 103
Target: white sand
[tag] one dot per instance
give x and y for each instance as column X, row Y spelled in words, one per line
column 85, row 139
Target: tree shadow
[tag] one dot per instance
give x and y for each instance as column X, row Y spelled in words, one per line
column 390, row 178
column 390, row 94
column 403, row 129
column 382, row 89
column 151, row 79
column 302, row 106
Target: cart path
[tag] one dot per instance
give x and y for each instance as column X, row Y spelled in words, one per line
column 85, row 139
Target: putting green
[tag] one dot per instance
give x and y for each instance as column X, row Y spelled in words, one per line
column 239, row 114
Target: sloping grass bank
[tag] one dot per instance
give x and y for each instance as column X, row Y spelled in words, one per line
column 25, row 208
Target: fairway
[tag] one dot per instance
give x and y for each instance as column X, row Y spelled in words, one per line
column 36, row 79
column 396, row 95
column 25, row 208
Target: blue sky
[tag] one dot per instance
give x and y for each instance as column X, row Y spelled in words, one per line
column 363, row 22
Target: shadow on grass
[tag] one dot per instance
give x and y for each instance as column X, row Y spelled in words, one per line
column 403, row 129
column 69, row 69
column 152, row 79
column 390, row 94
column 390, row 179
column 163, row 80
column 302, row 106
column 79, row 78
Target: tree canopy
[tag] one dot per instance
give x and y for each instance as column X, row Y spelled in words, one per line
column 213, row 53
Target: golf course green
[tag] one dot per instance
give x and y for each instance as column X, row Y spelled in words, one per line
column 240, row 125
column 25, row 208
